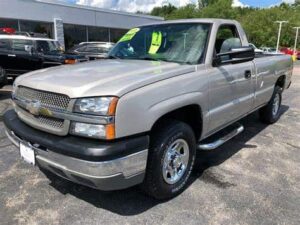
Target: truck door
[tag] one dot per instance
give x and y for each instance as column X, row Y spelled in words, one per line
column 49, row 53
column 232, row 87
column 4, row 51
column 21, row 56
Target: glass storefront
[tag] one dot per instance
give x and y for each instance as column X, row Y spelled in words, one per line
column 37, row 27
column 116, row 34
column 9, row 23
column 74, row 34
column 98, row 34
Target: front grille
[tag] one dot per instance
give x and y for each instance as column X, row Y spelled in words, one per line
column 47, row 99
column 51, row 122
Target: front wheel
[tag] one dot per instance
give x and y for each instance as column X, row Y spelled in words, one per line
column 271, row 112
column 170, row 161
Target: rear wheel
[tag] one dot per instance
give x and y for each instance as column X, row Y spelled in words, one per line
column 170, row 161
column 271, row 112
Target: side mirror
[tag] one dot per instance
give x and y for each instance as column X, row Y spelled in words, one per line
column 236, row 55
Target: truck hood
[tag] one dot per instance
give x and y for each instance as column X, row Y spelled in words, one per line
column 102, row 78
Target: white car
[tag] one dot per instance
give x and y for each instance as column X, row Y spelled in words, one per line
column 271, row 51
column 257, row 50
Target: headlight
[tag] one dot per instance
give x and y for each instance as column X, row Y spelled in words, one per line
column 105, row 106
column 93, row 130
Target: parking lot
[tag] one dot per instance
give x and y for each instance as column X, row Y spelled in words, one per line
column 253, row 179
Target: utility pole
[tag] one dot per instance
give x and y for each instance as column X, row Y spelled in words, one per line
column 279, row 33
column 296, row 39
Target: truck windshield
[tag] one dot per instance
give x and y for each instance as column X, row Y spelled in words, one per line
column 180, row 43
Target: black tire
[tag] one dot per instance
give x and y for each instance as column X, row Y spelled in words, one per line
column 155, row 184
column 267, row 113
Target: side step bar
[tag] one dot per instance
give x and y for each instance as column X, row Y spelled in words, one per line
column 217, row 143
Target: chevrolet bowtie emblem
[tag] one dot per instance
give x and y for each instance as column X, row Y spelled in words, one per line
column 34, row 107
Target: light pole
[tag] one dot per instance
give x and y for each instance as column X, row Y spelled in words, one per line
column 279, row 33
column 296, row 39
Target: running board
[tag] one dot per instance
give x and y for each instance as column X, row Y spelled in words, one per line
column 221, row 140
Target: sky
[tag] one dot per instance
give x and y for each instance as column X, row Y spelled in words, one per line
column 147, row 5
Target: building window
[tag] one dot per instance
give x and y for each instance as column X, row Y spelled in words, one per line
column 98, row 34
column 74, row 34
column 37, row 27
column 116, row 34
column 9, row 23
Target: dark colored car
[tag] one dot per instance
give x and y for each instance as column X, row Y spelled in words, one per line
column 20, row 54
column 92, row 50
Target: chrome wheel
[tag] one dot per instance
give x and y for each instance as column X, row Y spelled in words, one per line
column 276, row 105
column 175, row 161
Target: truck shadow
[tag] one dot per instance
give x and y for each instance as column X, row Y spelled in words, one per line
column 132, row 201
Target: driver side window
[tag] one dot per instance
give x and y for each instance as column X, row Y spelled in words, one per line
column 227, row 39
column 43, row 46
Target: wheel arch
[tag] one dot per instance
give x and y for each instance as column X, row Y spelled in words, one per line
column 281, row 81
column 190, row 114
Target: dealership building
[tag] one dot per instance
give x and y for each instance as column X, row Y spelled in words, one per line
column 70, row 24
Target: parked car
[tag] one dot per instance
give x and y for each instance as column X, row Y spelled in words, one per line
column 271, row 51
column 287, row 51
column 290, row 51
column 256, row 49
column 23, row 53
column 298, row 54
column 92, row 50
column 168, row 90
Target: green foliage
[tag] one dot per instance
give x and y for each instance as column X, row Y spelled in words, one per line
column 205, row 3
column 259, row 23
column 163, row 11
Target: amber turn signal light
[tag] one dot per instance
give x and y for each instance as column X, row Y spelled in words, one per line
column 70, row 61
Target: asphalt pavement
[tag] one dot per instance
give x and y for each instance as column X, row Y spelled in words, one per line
column 252, row 179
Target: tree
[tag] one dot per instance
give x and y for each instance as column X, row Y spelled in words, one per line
column 204, row 3
column 259, row 23
column 163, row 11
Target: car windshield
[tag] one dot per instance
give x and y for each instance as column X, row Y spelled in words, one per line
column 180, row 43
column 48, row 46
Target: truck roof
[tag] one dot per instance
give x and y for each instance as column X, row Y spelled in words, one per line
column 23, row 37
column 198, row 20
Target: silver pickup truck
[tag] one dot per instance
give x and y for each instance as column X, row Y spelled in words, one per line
column 168, row 90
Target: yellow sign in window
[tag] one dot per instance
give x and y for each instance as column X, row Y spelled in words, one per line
column 155, row 42
column 129, row 35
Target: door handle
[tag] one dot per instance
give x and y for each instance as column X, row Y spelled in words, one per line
column 248, row 74
column 11, row 55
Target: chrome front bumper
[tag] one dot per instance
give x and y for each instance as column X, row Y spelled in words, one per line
column 105, row 175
